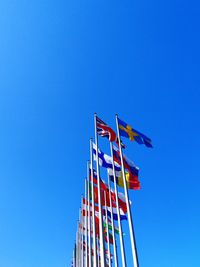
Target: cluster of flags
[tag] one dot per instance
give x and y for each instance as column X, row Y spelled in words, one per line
column 104, row 206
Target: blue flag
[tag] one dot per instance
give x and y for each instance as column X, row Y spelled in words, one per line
column 127, row 131
column 105, row 160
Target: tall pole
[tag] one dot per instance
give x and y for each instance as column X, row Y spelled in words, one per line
column 89, row 224
column 79, row 240
column 102, row 248
column 98, row 251
column 93, row 207
column 82, row 223
column 80, row 256
column 113, row 227
column 130, row 222
column 107, row 230
column 74, row 256
column 121, row 238
column 77, row 249
column 86, row 229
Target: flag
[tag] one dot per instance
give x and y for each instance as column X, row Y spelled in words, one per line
column 115, row 217
column 110, row 238
column 107, row 253
column 105, row 198
column 106, row 201
column 84, row 213
column 131, row 182
column 105, row 131
column 127, row 131
column 85, row 202
column 110, row 227
column 128, row 164
column 104, row 159
column 102, row 183
column 122, row 202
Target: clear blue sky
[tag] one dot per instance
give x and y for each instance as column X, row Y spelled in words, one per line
column 60, row 61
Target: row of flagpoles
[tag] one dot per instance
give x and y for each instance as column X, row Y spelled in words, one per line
column 104, row 208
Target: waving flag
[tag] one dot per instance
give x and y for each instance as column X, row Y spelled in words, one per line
column 128, row 164
column 105, row 131
column 105, row 200
column 104, row 159
column 115, row 217
column 131, row 180
column 86, row 213
column 127, row 131
column 110, row 227
column 110, row 238
column 102, row 183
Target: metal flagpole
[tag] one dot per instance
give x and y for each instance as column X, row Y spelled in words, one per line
column 113, row 227
column 131, row 229
column 102, row 248
column 107, row 230
column 73, row 259
column 80, row 239
column 98, row 264
column 82, row 223
column 121, row 238
column 89, row 224
column 77, row 248
column 86, row 228
column 93, row 208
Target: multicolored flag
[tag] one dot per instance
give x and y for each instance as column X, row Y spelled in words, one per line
column 104, row 159
column 105, row 131
column 115, row 216
column 110, row 238
column 111, row 255
column 128, row 164
column 131, row 173
column 134, row 135
column 131, row 182
column 110, row 227
column 105, row 199
column 102, row 183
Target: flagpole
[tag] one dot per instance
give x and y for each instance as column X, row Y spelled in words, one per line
column 89, row 223
column 80, row 238
column 107, row 230
column 97, row 252
column 91, row 190
column 74, row 255
column 86, row 229
column 131, row 229
column 113, row 227
column 102, row 248
column 77, row 248
column 121, row 238
column 82, row 250
column 98, row 248
column 93, row 208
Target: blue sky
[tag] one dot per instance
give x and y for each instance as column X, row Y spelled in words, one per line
column 61, row 61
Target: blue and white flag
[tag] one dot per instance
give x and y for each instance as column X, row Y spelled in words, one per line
column 115, row 217
column 105, row 160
